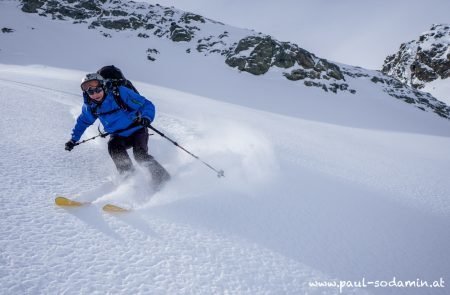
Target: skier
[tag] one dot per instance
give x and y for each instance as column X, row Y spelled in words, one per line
column 127, row 126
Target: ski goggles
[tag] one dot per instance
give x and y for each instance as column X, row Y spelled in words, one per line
column 93, row 90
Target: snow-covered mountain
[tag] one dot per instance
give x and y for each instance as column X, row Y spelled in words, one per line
column 245, row 50
column 424, row 62
column 320, row 187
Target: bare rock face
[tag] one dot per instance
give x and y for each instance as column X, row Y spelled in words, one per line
column 423, row 60
column 256, row 55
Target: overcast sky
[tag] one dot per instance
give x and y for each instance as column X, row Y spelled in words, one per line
column 356, row 32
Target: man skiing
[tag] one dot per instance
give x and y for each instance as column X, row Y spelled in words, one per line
column 127, row 125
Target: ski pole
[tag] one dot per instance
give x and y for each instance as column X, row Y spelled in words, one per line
column 135, row 124
column 83, row 141
column 220, row 173
column 103, row 135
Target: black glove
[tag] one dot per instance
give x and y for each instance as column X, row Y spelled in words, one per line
column 70, row 145
column 145, row 122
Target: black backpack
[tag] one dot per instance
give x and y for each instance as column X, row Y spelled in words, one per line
column 115, row 78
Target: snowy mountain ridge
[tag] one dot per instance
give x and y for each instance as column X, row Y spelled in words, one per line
column 422, row 61
column 246, row 50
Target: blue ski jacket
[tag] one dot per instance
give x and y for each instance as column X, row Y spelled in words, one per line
column 111, row 115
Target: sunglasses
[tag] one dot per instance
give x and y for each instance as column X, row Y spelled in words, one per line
column 93, row 90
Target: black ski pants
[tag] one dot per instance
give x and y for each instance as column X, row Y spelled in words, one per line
column 117, row 148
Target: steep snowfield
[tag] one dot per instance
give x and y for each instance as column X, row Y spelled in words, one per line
column 162, row 247
column 318, row 186
column 439, row 88
column 301, row 200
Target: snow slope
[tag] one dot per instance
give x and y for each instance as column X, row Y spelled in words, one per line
column 318, row 186
column 439, row 88
column 326, row 202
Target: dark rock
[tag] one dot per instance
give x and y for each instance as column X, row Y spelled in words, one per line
column 375, row 80
column 296, row 75
column 188, row 17
column 423, row 73
column 7, row 30
column 282, row 59
column 202, row 47
column 116, row 12
column 260, row 58
column 300, row 74
column 88, row 5
column 334, row 71
column 136, row 23
column 168, row 12
column 305, row 59
column 223, row 35
column 257, row 54
column 179, row 34
column 236, row 62
column 143, row 35
column 73, row 13
column 153, row 50
column 118, row 24
column 313, row 74
column 247, row 43
column 31, row 6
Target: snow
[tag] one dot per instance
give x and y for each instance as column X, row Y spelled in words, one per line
column 318, row 186
column 439, row 88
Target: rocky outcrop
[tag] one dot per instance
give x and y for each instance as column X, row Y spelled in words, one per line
column 423, row 60
column 401, row 91
column 31, row 6
column 178, row 33
column 256, row 53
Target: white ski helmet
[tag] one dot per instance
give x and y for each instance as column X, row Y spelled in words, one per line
column 92, row 77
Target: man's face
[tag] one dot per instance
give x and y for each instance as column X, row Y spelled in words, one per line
column 94, row 90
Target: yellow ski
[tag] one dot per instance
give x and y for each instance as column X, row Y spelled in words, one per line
column 114, row 208
column 63, row 201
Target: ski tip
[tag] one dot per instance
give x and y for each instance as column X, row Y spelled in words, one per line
column 63, row 201
column 114, row 208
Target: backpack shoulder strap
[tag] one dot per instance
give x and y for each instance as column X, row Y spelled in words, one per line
column 130, row 85
column 118, row 99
